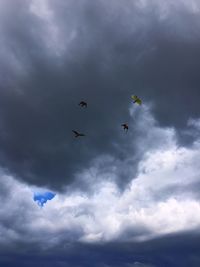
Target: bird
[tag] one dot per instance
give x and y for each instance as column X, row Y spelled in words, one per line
column 83, row 104
column 125, row 125
column 77, row 134
column 136, row 99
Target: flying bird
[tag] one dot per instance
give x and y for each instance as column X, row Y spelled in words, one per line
column 83, row 104
column 136, row 99
column 125, row 125
column 77, row 134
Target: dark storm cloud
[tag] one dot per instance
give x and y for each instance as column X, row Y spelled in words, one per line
column 173, row 250
column 114, row 50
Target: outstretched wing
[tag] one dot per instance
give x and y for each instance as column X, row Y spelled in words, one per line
column 75, row 132
column 82, row 103
column 139, row 101
column 136, row 99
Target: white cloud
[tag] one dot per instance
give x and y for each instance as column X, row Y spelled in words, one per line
column 108, row 213
column 56, row 36
column 51, row 34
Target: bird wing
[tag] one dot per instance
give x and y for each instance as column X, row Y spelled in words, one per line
column 139, row 101
column 75, row 132
column 134, row 97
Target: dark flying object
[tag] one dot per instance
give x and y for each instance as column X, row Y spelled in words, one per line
column 77, row 134
column 136, row 99
column 125, row 125
column 83, row 104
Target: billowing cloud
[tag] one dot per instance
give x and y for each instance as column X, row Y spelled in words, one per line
column 55, row 53
column 159, row 200
column 121, row 199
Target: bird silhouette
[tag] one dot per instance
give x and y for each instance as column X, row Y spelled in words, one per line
column 125, row 125
column 136, row 99
column 83, row 104
column 77, row 134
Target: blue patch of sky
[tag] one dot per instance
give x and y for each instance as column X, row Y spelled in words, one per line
column 42, row 197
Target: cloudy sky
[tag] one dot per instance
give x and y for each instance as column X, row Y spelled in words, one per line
column 116, row 199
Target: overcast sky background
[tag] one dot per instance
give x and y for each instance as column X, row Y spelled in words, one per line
column 122, row 200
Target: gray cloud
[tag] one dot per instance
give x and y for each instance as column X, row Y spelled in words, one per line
column 55, row 54
column 169, row 250
column 160, row 198
column 109, row 222
column 121, row 200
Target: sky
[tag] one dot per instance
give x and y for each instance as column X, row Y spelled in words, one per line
column 110, row 198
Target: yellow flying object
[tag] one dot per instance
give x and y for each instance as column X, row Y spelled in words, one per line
column 136, row 99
